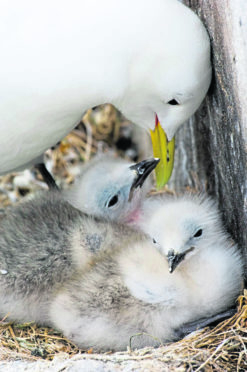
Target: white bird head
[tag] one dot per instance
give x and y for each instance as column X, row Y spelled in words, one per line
column 183, row 227
column 169, row 73
column 149, row 58
column 112, row 188
column 170, row 70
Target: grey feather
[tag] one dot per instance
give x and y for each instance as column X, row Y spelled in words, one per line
column 101, row 283
column 42, row 243
column 131, row 290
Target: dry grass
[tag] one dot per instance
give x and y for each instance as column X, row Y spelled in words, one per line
column 223, row 348
column 32, row 342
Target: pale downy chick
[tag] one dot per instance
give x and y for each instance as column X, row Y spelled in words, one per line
column 182, row 224
column 51, row 273
column 188, row 230
column 111, row 188
column 139, row 288
column 43, row 242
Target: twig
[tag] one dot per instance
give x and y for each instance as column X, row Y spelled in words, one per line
column 212, row 355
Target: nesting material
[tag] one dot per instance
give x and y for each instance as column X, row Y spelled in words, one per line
column 223, row 348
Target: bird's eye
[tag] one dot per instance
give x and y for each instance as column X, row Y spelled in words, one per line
column 173, row 102
column 112, row 201
column 198, row 233
column 154, row 241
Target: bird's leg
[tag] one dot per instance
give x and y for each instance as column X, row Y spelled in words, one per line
column 187, row 328
column 47, row 177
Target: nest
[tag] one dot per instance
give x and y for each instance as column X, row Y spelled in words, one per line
column 222, row 348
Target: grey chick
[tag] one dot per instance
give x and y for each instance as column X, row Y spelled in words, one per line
column 140, row 288
column 112, row 188
column 43, row 242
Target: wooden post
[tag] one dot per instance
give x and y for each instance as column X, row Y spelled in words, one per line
column 212, row 147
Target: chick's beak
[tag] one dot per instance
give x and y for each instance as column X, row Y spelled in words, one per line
column 174, row 259
column 164, row 150
column 142, row 171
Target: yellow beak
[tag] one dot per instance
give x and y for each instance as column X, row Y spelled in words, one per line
column 163, row 149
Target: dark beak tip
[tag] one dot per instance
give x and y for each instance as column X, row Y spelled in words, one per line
column 145, row 164
column 175, row 259
column 143, row 169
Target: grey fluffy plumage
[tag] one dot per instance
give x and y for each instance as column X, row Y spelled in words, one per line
column 101, row 283
column 42, row 243
column 131, row 289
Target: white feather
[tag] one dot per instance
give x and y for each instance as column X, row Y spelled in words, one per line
column 59, row 58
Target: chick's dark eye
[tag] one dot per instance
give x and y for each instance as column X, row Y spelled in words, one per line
column 173, row 102
column 112, row 201
column 154, row 241
column 198, row 233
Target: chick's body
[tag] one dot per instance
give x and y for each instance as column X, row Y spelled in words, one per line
column 101, row 283
column 131, row 291
column 42, row 243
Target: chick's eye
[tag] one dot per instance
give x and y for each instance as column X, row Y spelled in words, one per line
column 154, row 241
column 112, row 201
column 173, row 102
column 198, row 233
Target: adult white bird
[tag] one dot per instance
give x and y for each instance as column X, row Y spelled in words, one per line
column 149, row 58
column 111, row 188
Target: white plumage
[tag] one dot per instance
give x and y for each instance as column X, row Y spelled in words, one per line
column 59, row 58
column 190, row 227
column 131, row 290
